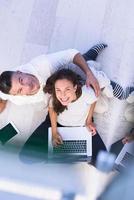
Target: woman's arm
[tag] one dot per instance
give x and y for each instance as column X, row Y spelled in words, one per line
column 55, row 135
column 89, row 122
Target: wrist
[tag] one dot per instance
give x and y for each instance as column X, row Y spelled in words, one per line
column 89, row 72
column 54, row 132
column 89, row 119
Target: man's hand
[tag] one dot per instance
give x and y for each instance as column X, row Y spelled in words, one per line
column 91, row 126
column 92, row 81
column 90, row 78
column 57, row 139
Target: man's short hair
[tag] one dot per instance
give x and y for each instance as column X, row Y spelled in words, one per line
column 5, row 81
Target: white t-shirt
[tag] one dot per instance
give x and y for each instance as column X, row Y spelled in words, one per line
column 77, row 111
column 42, row 67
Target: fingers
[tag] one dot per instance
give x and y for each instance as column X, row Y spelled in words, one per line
column 95, row 86
column 91, row 128
column 54, row 143
column 125, row 140
column 93, row 131
column 97, row 90
column 60, row 139
column 57, row 141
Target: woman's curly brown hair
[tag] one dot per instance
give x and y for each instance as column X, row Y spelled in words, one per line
column 71, row 76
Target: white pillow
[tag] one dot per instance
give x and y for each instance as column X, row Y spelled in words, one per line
column 102, row 104
column 130, row 98
column 129, row 113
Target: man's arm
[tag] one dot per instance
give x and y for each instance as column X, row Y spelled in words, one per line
column 64, row 58
column 2, row 105
column 90, row 78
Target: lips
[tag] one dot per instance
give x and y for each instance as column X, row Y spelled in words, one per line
column 64, row 101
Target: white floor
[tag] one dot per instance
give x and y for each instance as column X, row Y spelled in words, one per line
column 33, row 27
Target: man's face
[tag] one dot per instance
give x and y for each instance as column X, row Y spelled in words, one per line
column 24, row 84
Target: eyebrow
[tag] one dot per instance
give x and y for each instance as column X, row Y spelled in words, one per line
column 65, row 88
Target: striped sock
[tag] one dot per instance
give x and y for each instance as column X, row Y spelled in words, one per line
column 118, row 91
column 92, row 53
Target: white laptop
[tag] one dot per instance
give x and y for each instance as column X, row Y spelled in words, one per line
column 125, row 157
column 77, row 143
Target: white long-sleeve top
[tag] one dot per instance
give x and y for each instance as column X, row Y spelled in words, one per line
column 41, row 67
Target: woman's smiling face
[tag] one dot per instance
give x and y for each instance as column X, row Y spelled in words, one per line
column 65, row 91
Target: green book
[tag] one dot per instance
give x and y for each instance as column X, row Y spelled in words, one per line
column 7, row 132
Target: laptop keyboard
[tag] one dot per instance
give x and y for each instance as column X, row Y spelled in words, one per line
column 127, row 159
column 71, row 146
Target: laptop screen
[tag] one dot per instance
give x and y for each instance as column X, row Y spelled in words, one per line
column 126, row 156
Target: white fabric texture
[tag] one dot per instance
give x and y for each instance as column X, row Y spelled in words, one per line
column 77, row 112
column 42, row 67
column 102, row 104
column 129, row 113
column 108, row 91
column 130, row 98
column 100, row 75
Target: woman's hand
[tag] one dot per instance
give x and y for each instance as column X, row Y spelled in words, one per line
column 57, row 139
column 91, row 126
column 127, row 139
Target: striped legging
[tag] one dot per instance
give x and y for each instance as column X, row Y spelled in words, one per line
column 118, row 90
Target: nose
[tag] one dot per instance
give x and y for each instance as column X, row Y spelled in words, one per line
column 63, row 95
